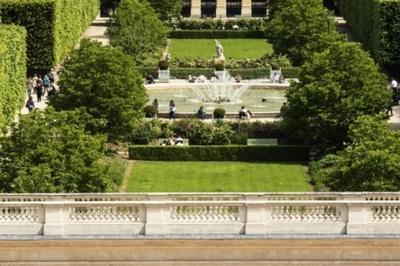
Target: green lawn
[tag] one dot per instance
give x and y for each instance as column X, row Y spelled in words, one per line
column 205, row 48
column 217, row 177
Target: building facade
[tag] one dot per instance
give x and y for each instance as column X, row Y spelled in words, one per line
column 224, row 8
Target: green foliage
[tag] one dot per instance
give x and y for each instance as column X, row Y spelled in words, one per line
column 216, row 34
column 221, row 153
column 102, row 81
column 375, row 24
column 218, row 25
column 219, row 113
column 50, row 152
column 299, row 24
column 150, row 111
column 137, row 30
column 200, row 133
column 167, row 9
column 53, row 26
column 12, row 72
column 337, row 86
column 369, row 163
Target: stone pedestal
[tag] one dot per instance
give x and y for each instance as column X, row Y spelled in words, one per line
column 275, row 76
column 221, row 9
column 221, row 75
column 195, row 11
column 246, row 8
column 163, row 76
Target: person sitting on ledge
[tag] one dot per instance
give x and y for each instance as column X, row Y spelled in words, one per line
column 150, row 79
column 179, row 140
column 191, row 79
column 201, row 113
column 244, row 113
column 238, row 78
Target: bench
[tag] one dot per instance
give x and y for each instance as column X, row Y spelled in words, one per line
column 161, row 141
column 262, row 142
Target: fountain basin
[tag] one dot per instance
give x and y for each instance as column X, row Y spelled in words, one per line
column 258, row 97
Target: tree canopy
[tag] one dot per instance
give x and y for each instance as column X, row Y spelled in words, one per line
column 138, row 31
column 50, row 152
column 300, row 23
column 334, row 88
column 103, row 82
column 369, row 163
column 167, row 9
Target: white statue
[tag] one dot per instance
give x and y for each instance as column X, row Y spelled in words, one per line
column 219, row 50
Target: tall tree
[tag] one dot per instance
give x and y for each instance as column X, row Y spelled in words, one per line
column 296, row 25
column 138, row 31
column 369, row 163
column 167, row 9
column 50, row 152
column 103, row 82
column 335, row 87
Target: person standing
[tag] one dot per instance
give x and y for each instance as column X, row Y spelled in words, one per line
column 172, row 110
column 39, row 92
column 30, row 104
column 394, row 85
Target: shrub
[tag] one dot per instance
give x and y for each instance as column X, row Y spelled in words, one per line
column 53, row 26
column 221, row 153
column 219, row 113
column 12, row 71
column 150, row 111
column 216, row 34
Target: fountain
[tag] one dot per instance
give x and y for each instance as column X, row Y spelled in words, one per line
column 222, row 88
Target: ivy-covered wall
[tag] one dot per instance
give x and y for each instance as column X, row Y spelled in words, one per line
column 12, row 71
column 54, row 26
column 376, row 24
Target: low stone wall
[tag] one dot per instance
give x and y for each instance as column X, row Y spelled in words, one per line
column 199, row 214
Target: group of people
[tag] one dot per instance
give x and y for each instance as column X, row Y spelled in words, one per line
column 175, row 139
column 40, row 86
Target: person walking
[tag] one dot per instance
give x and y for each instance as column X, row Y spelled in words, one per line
column 30, row 104
column 172, row 110
column 394, row 85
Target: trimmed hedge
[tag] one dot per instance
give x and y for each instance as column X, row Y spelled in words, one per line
column 280, row 153
column 250, row 73
column 216, row 34
column 12, row 71
column 375, row 24
column 54, row 26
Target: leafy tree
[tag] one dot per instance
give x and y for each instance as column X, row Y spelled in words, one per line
column 336, row 86
column 167, row 8
column 137, row 30
column 369, row 163
column 295, row 26
column 50, row 152
column 103, row 82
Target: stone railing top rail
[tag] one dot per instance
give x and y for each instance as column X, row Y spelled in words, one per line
column 373, row 196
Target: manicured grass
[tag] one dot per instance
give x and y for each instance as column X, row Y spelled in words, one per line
column 205, row 48
column 217, row 177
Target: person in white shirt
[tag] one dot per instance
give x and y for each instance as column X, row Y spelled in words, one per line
column 394, row 85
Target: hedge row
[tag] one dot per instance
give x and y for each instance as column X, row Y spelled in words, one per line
column 54, row 26
column 251, row 73
column 218, row 24
column 12, row 71
column 216, row 34
column 375, row 24
column 280, row 153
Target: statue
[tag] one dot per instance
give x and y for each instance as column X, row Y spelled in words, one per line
column 219, row 50
column 219, row 59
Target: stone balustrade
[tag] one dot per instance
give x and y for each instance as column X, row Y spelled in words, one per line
column 199, row 214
